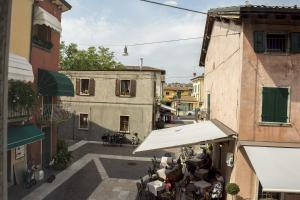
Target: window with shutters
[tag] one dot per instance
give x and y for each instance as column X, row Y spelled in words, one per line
column 83, row 121
column 124, row 123
column 85, row 87
column 275, row 105
column 280, row 42
column 125, row 87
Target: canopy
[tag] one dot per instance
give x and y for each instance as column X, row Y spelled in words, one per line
column 276, row 168
column 163, row 106
column 20, row 135
column 182, row 136
column 19, row 68
column 42, row 17
column 54, row 84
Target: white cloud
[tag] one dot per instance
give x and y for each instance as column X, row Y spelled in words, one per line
column 179, row 59
column 172, row 3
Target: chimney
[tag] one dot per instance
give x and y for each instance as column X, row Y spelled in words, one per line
column 194, row 74
column 141, row 66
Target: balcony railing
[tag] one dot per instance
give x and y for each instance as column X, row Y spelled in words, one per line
column 54, row 113
column 19, row 112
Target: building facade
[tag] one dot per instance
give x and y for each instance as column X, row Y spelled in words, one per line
column 198, row 89
column 34, row 50
column 179, row 97
column 251, row 58
column 113, row 101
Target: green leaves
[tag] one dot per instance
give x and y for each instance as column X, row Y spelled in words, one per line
column 94, row 58
column 21, row 94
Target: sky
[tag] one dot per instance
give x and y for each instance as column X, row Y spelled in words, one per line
column 116, row 23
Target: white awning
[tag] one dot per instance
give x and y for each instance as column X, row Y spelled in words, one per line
column 276, row 168
column 42, row 17
column 19, row 68
column 163, row 106
column 182, row 136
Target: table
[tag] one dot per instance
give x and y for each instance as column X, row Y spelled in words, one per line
column 155, row 186
column 202, row 185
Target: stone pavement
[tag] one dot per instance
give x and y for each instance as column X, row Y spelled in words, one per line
column 97, row 172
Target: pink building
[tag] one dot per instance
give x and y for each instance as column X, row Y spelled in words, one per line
column 252, row 86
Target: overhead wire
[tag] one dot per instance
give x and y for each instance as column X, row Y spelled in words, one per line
column 171, row 6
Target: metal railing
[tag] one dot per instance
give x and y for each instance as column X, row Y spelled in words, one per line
column 54, row 113
column 18, row 112
column 276, row 44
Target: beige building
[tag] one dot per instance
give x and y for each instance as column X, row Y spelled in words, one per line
column 251, row 58
column 113, row 101
column 198, row 89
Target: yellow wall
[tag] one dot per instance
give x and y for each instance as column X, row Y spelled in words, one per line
column 172, row 93
column 20, row 31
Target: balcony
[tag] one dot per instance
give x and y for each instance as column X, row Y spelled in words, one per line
column 17, row 112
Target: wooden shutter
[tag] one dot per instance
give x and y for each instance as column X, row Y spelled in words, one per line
column 92, row 87
column 117, row 89
column 295, row 42
column 281, row 105
column 268, row 105
column 259, row 41
column 133, row 88
column 77, row 86
column 275, row 105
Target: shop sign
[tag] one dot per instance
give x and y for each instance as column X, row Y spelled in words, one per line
column 20, row 152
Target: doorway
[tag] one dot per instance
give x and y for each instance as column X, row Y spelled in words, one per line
column 46, row 146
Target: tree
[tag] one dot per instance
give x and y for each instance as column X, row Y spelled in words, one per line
column 72, row 58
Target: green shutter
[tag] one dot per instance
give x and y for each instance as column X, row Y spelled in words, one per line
column 259, row 41
column 281, row 105
column 275, row 104
column 268, row 105
column 295, row 42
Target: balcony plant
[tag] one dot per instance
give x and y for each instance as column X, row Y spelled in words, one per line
column 21, row 97
column 232, row 189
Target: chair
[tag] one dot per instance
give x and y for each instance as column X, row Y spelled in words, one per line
column 139, row 191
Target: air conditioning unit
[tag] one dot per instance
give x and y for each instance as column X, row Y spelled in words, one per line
column 229, row 159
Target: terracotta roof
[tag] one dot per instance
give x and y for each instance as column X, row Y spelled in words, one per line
column 129, row 68
column 177, row 88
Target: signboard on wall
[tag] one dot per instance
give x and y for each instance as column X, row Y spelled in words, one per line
column 20, row 152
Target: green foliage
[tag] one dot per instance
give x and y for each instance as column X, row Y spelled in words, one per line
column 63, row 156
column 101, row 58
column 21, row 94
column 232, row 188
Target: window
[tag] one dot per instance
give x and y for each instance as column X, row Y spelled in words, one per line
column 167, row 93
column 83, row 121
column 276, row 42
column 275, row 104
column 42, row 36
column 124, row 123
column 125, row 87
column 84, row 86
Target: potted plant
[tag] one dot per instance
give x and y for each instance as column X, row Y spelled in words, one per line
column 232, row 189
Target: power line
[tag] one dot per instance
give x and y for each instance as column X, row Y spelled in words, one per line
column 180, row 8
column 158, row 42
